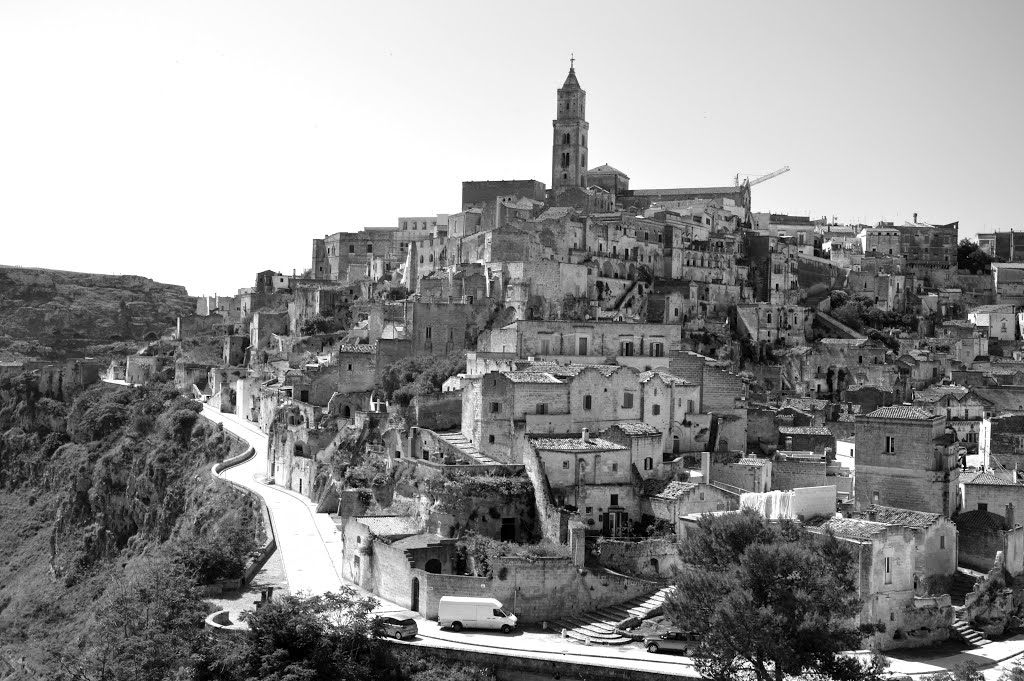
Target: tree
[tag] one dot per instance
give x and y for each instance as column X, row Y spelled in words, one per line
column 970, row 257
column 333, row 636
column 768, row 602
column 317, row 324
column 145, row 628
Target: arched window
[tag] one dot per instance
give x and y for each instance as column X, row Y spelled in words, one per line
column 649, row 463
column 587, row 402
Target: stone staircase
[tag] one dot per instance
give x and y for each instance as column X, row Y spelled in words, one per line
column 963, row 631
column 466, row 448
column 598, row 627
column 963, row 584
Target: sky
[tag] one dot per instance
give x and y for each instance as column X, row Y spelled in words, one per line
column 199, row 142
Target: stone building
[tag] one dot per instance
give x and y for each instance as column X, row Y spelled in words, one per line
column 569, row 144
column 886, row 575
column 592, row 474
column 906, row 459
column 935, row 536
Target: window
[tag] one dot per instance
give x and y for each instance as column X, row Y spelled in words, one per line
column 888, row 570
column 626, row 349
column 614, row 500
column 890, row 444
column 495, row 407
column 587, row 402
column 657, row 349
column 545, row 347
column 656, row 409
column 615, row 469
column 351, row 248
column 689, row 407
column 369, row 248
column 427, row 332
column 874, row 497
column 590, row 509
column 942, row 542
column 982, row 506
column 565, row 465
column 627, row 400
column 490, row 439
column 648, row 463
column 542, row 408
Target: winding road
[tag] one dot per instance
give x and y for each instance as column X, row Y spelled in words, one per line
column 310, row 546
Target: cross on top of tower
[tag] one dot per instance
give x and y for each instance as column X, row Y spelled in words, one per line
column 572, row 59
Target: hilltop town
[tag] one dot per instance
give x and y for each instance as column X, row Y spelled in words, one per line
column 537, row 397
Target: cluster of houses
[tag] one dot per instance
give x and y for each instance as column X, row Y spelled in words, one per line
column 641, row 357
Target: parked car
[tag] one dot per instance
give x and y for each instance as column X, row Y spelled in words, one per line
column 399, row 629
column 673, row 640
column 474, row 613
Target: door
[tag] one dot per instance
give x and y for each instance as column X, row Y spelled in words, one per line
column 508, row 529
column 415, row 606
column 582, row 346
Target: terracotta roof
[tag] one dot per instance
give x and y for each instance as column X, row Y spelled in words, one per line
column 605, row 168
column 850, row 528
column 666, row 489
column 804, row 430
column 752, row 461
column 804, row 403
column 671, row 379
column 979, row 520
column 936, row 393
column 637, row 429
column 984, row 478
column 900, row 413
column 357, row 348
column 574, row 444
column 386, row 526
column 902, row 516
column 568, row 370
column 529, row 377
column 417, row 541
column 852, row 342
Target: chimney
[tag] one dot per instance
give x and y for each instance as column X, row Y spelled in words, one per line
column 789, row 444
column 586, row 435
column 873, row 515
column 1009, row 516
column 915, row 218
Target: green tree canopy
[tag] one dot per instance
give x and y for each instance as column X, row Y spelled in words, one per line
column 768, row 602
column 970, row 257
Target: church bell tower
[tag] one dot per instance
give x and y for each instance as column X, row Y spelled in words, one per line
column 569, row 148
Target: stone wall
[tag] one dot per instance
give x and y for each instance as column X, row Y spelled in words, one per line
column 438, row 411
column 536, row 590
column 792, row 473
column 652, row 559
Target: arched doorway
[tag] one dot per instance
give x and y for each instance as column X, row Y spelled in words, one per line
column 415, row 606
column 433, row 566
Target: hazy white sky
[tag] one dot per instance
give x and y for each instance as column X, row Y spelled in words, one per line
column 198, row 142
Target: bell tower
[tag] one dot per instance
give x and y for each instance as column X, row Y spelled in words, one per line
column 569, row 148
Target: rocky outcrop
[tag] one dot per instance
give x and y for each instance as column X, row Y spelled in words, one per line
column 54, row 314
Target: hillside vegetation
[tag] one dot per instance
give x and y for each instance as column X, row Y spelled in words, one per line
column 92, row 485
column 52, row 314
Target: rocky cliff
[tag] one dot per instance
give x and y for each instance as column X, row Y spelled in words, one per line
column 55, row 314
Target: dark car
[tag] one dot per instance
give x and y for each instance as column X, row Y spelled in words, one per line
column 399, row 629
column 673, row 640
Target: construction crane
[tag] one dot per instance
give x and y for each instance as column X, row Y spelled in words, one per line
column 762, row 178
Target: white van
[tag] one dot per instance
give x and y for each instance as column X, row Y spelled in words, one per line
column 477, row 613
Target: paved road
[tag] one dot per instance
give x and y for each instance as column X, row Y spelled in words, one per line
column 310, row 546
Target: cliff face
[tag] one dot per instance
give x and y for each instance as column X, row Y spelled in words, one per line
column 55, row 314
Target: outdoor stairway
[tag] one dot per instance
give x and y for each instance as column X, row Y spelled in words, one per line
column 467, row 448
column 598, row 627
column 963, row 584
column 962, row 630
